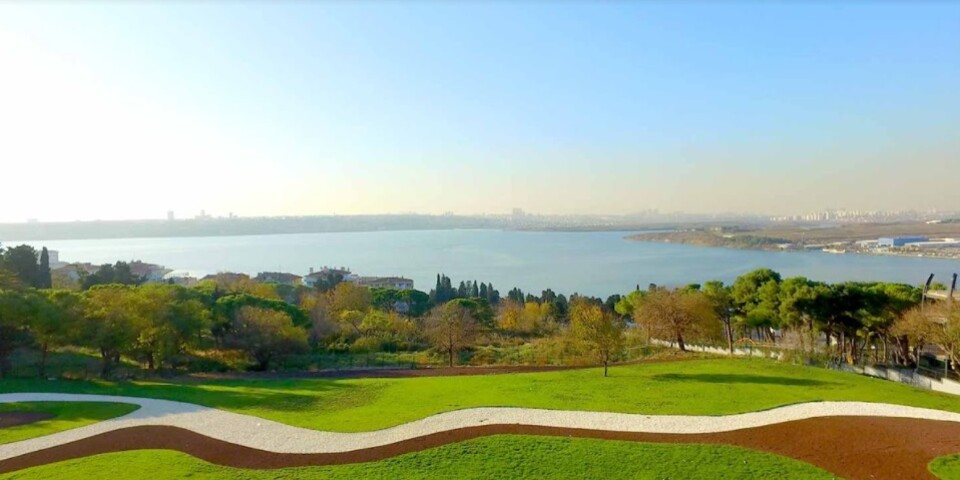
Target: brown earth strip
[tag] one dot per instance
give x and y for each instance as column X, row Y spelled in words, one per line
column 12, row 419
column 852, row 447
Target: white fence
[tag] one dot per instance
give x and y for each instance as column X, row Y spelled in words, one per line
column 893, row 374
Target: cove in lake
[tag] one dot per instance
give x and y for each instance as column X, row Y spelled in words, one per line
column 594, row 263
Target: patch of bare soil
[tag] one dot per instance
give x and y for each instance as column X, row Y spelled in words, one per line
column 851, row 447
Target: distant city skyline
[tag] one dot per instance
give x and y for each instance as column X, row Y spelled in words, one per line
column 820, row 215
column 132, row 110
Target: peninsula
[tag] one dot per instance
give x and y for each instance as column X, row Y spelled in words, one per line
column 926, row 239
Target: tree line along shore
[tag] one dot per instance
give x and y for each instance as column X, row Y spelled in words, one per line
column 234, row 323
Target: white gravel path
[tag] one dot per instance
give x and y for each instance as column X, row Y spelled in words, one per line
column 271, row 436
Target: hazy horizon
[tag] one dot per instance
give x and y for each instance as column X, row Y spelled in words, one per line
column 126, row 111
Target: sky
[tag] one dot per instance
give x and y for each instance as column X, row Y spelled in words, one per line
column 113, row 110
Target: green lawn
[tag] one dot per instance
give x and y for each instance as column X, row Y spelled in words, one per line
column 66, row 415
column 947, row 468
column 706, row 387
column 501, row 456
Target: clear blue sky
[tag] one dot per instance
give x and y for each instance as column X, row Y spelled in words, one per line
column 555, row 107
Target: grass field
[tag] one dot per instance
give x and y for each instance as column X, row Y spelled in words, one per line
column 501, row 456
column 947, row 468
column 66, row 415
column 704, row 387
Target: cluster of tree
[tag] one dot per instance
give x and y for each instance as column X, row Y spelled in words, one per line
column 853, row 320
column 23, row 265
column 444, row 291
column 155, row 324
column 165, row 326
column 119, row 273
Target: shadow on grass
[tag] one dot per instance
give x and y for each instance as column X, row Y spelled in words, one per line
column 279, row 395
column 739, row 378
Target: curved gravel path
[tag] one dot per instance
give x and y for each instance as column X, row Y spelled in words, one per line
column 269, row 436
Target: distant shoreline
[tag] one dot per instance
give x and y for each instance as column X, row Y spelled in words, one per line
column 217, row 227
column 844, row 239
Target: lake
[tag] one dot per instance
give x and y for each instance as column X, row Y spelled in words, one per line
column 594, row 263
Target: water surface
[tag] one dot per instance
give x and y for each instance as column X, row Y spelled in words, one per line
column 595, row 263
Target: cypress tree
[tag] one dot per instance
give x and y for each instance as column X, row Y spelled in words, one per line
column 43, row 275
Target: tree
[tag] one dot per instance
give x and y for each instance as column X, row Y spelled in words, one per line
column 451, row 328
column 510, row 316
column 676, row 314
column 516, row 295
column 9, row 280
column 946, row 333
column 797, row 299
column 173, row 318
column 55, row 323
column 628, row 304
column 912, row 332
column 15, row 314
column 118, row 273
column 265, row 334
column 349, row 296
column 755, row 294
column 598, row 329
column 22, row 262
column 722, row 301
column 479, row 309
column 444, row 291
column 409, row 302
column 112, row 321
column 44, row 279
column 323, row 324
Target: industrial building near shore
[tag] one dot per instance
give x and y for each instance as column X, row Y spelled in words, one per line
column 911, row 242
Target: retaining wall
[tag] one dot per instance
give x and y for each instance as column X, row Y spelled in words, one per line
column 900, row 375
column 741, row 352
column 906, row 376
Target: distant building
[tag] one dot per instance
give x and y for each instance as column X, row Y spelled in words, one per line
column 940, row 243
column 183, row 280
column 55, row 262
column 899, row 241
column 170, row 216
column 399, row 283
column 75, row 271
column 279, row 278
column 329, row 276
column 149, row 272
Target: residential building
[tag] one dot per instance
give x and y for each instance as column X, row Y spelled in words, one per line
column 329, row 276
column 75, row 271
column 279, row 278
column 149, row 272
